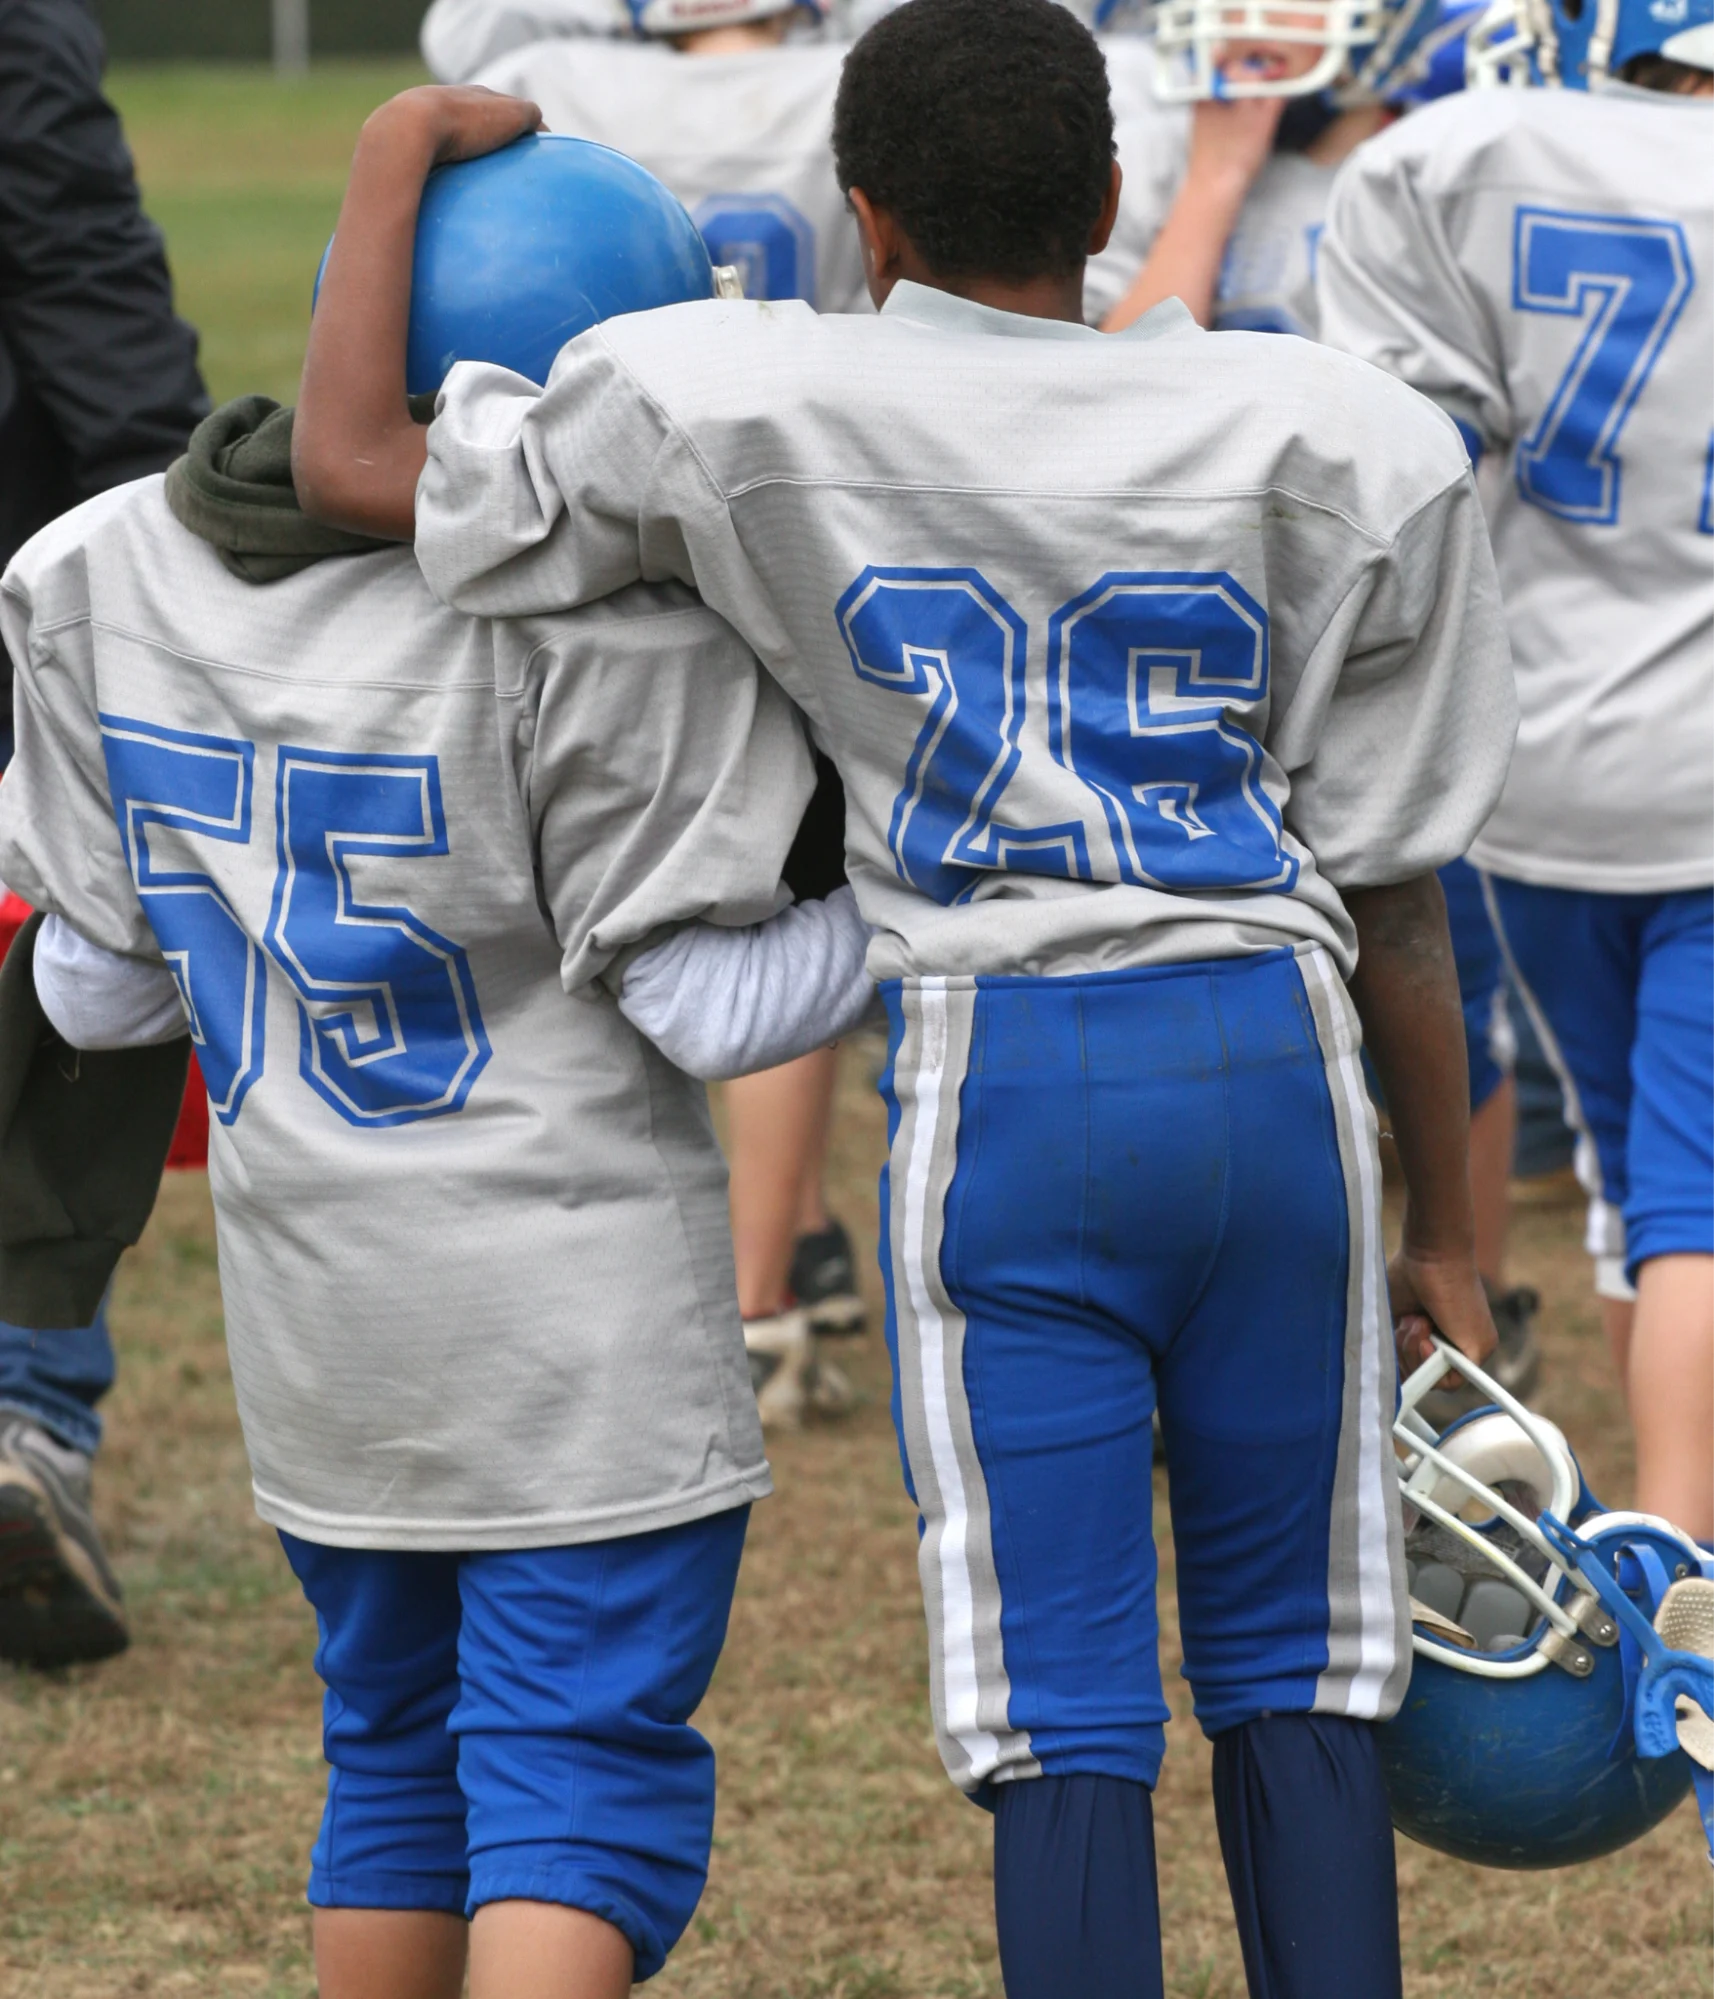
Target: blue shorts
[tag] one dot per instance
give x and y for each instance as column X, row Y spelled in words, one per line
column 1621, row 991
column 1488, row 1041
column 515, row 1725
column 1108, row 1191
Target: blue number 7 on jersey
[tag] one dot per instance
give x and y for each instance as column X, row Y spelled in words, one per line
column 1630, row 279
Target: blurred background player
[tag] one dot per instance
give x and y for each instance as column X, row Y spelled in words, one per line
column 98, row 385
column 761, row 130
column 711, row 96
column 1540, row 261
column 1282, row 95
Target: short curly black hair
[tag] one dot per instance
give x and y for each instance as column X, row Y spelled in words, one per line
column 984, row 127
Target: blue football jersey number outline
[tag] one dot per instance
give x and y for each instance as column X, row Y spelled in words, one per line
column 1629, row 278
column 1141, row 669
column 389, row 1027
column 768, row 238
column 185, row 783
column 1142, row 725
column 1705, row 517
column 948, row 636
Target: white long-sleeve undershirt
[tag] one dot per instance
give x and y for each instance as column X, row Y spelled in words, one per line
column 717, row 1002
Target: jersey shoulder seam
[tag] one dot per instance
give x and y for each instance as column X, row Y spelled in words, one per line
column 191, row 658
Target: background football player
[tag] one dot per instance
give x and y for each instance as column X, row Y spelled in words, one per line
column 1540, row 261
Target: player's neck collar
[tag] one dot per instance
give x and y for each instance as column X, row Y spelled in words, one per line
column 925, row 305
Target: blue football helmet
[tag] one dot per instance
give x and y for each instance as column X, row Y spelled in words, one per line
column 522, row 250
column 1368, row 48
column 1576, row 43
column 1561, row 1701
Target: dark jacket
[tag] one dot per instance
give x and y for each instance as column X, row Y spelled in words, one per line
column 98, row 379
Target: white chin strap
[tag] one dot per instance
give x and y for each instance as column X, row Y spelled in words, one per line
column 1685, row 1621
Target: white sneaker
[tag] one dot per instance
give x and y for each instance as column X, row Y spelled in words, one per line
column 782, row 1355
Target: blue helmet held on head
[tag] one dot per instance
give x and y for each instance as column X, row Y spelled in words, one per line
column 1574, row 44
column 1561, row 1700
column 1436, row 66
column 1367, row 49
column 522, row 250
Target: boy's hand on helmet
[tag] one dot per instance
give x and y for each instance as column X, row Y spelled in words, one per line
column 1438, row 1294
column 456, row 121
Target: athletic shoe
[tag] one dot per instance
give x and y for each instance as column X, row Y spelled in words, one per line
column 824, row 1282
column 782, row 1355
column 1515, row 1363
column 59, row 1601
column 829, row 1387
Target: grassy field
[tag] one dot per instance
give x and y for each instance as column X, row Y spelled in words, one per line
column 244, row 174
column 157, row 1811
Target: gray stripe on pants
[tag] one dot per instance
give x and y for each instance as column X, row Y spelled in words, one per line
column 1368, row 1612
column 969, row 1690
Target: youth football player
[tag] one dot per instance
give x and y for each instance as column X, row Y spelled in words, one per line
column 1540, row 262
column 394, row 864
column 1162, row 672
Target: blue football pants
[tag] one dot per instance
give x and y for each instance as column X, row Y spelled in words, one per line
column 1104, row 1194
column 1621, row 988
column 515, row 1725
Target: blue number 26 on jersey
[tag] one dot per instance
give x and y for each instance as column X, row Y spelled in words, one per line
column 389, row 1028
column 1142, row 668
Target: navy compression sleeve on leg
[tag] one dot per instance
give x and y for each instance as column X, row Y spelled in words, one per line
column 1308, row 1845
column 1075, row 1900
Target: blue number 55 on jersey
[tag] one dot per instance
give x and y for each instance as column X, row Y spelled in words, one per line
column 389, row 1026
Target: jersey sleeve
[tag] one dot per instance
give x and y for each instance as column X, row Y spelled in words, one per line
column 667, row 778
column 1391, row 291
column 540, row 499
column 460, row 37
column 60, row 845
column 1398, row 733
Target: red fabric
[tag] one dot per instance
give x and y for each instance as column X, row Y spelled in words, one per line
column 14, row 914
column 190, row 1140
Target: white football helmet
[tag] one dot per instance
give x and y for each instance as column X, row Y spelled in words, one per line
column 1365, row 47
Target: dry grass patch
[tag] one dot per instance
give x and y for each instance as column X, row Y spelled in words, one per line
column 159, row 1809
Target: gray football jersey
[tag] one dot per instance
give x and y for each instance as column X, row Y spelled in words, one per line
column 473, row 1238
column 1267, row 277
column 1541, row 263
column 1130, row 649
column 460, row 37
column 744, row 141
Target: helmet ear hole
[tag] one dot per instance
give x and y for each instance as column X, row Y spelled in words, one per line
column 1573, row 9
